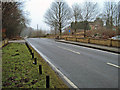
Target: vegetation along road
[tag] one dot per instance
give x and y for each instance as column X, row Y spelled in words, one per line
column 18, row 70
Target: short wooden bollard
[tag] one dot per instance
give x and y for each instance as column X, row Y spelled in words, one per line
column 26, row 44
column 30, row 50
column 32, row 55
column 40, row 69
column 35, row 60
column 47, row 81
column 28, row 47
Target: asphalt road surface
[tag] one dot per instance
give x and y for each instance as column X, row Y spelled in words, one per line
column 85, row 67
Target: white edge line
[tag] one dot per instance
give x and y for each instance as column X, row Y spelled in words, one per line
column 113, row 65
column 53, row 66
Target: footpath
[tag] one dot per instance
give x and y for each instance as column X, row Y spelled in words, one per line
column 100, row 47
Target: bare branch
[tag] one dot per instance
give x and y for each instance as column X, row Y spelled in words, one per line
column 58, row 15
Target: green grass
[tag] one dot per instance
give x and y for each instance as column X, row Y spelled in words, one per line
column 19, row 71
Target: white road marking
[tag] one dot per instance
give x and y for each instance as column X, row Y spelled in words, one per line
column 55, row 68
column 87, row 48
column 69, row 50
column 113, row 65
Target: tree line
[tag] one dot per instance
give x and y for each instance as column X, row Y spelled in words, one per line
column 13, row 19
column 60, row 15
column 31, row 32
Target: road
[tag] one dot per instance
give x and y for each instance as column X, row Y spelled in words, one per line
column 85, row 67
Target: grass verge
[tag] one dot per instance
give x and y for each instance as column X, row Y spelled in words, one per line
column 18, row 70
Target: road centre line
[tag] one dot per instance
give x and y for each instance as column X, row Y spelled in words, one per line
column 89, row 48
column 113, row 65
column 69, row 50
column 79, row 53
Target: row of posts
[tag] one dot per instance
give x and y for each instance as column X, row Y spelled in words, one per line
column 40, row 66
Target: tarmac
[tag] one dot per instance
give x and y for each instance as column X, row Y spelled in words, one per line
column 95, row 46
column 100, row 47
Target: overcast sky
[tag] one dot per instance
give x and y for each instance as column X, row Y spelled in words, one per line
column 37, row 9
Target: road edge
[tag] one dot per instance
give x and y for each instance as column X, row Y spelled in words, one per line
column 54, row 67
column 117, row 52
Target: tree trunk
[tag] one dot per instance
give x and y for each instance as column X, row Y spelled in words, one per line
column 85, row 28
column 60, row 30
column 75, row 28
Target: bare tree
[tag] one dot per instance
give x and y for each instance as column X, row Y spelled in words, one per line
column 110, row 14
column 116, row 17
column 76, row 14
column 58, row 15
column 89, row 12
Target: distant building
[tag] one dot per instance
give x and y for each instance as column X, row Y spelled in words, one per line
column 97, row 24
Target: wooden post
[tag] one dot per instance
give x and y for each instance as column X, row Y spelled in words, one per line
column 88, row 40
column 35, row 61
column 40, row 69
column 26, row 44
column 47, row 82
column 32, row 55
column 76, row 39
column 110, row 42
column 30, row 51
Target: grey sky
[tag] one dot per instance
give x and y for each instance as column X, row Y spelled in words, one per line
column 37, row 9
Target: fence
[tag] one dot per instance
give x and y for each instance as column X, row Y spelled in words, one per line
column 40, row 66
column 105, row 42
